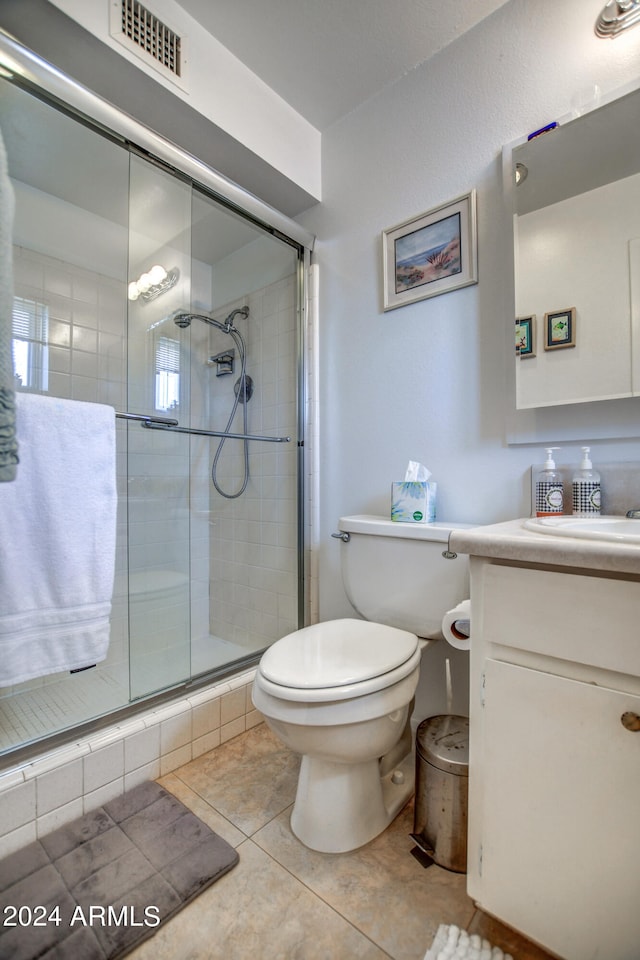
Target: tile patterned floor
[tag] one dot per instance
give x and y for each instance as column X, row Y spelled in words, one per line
column 285, row 902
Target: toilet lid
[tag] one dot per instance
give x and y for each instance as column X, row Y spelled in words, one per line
column 337, row 653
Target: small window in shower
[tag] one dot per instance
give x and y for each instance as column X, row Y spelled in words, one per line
column 30, row 344
column 167, row 374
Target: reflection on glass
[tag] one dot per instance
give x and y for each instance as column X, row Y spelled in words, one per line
column 68, row 339
column 576, row 226
column 30, row 350
column 167, row 374
column 158, row 472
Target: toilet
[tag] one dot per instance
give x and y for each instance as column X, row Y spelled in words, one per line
column 340, row 693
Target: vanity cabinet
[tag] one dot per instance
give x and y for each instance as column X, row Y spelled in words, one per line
column 554, row 775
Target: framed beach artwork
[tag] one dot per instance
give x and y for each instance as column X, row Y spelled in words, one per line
column 431, row 254
column 560, row 329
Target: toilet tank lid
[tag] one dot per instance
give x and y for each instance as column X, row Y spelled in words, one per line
column 337, row 653
column 438, row 530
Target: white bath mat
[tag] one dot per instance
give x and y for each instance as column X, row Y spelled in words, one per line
column 452, row 943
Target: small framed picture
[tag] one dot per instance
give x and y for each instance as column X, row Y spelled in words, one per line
column 431, row 254
column 560, row 329
column 526, row 336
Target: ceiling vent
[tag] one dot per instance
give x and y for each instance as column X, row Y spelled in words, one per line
column 143, row 33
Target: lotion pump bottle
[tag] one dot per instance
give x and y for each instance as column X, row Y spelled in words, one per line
column 549, row 488
column 586, row 488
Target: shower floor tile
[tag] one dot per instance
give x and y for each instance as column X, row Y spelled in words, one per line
column 283, row 900
column 28, row 715
column 209, row 652
column 73, row 699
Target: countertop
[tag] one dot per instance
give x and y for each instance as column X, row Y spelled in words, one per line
column 512, row 541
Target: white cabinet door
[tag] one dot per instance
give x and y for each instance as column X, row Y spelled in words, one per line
column 561, row 813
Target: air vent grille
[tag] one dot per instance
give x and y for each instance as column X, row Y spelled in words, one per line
column 156, row 39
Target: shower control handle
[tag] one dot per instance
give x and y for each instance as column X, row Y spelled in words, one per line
column 345, row 537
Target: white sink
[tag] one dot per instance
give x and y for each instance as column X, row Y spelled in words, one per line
column 616, row 529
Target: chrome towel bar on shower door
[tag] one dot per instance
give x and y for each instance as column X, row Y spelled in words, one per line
column 144, row 418
column 213, row 433
column 172, row 426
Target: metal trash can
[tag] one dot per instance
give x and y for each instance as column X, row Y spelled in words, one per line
column 442, row 790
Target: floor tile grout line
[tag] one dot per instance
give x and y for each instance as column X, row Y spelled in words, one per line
column 271, row 819
column 318, row 897
column 251, row 837
column 310, row 889
column 218, row 812
column 224, row 816
column 476, row 919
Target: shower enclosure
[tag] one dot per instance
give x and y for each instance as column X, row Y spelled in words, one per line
column 145, row 281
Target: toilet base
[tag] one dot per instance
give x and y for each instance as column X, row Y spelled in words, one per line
column 340, row 807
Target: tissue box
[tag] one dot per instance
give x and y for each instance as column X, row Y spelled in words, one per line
column 413, row 501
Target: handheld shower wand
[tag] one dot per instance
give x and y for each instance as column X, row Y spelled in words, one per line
column 183, row 320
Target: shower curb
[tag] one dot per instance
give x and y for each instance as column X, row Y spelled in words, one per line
column 60, row 785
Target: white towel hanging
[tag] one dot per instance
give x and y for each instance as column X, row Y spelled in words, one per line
column 57, row 539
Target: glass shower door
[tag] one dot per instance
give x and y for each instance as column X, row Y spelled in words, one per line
column 109, row 244
column 69, row 340
column 213, row 518
column 245, row 573
column 158, row 460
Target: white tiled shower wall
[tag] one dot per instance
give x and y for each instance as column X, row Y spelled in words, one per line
column 253, row 540
column 39, row 796
column 87, row 361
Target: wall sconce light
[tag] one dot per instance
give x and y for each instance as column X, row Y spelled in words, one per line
column 149, row 286
column 617, row 16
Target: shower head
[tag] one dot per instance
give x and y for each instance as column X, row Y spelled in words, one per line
column 183, row 320
column 241, row 311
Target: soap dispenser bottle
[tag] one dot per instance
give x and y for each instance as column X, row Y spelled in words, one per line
column 586, row 488
column 549, row 488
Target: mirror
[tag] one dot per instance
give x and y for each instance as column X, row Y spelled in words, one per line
column 577, row 259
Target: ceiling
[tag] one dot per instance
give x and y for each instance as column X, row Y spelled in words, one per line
column 326, row 57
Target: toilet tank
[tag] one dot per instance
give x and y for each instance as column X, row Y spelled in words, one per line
column 396, row 573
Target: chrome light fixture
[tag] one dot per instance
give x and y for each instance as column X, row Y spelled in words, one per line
column 617, row 16
column 149, row 286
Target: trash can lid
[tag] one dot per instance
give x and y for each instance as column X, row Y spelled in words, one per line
column 444, row 742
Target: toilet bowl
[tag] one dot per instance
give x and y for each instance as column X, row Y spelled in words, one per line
column 340, row 693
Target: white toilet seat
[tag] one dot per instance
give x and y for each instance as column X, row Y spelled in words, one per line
column 338, row 660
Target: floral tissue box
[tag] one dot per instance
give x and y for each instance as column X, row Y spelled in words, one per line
column 414, row 501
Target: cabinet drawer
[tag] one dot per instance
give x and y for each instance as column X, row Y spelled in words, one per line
column 589, row 620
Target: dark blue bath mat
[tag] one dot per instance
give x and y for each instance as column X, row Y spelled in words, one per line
column 99, row 886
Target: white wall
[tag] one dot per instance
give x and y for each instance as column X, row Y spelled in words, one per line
column 428, row 381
